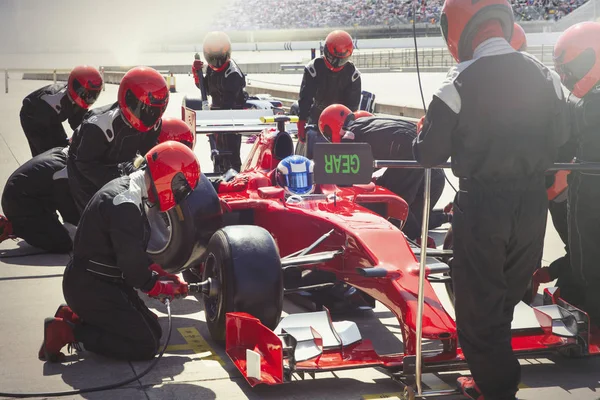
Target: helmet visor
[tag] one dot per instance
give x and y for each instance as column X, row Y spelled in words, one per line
column 89, row 96
column 336, row 61
column 180, row 187
column 299, row 182
column 148, row 114
column 576, row 69
column 216, row 60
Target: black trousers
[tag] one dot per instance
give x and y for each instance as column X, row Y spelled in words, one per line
column 584, row 234
column 229, row 145
column 82, row 190
column 43, row 231
column 35, row 219
column 561, row 267
column 42, row 137
column 498, row 242
column 115, row 321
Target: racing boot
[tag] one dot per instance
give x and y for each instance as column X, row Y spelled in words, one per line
column 65, row 312
column 57, row 334
column 467, row 386
column 5, row 229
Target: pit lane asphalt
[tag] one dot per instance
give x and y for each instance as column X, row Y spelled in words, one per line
column 194, row 367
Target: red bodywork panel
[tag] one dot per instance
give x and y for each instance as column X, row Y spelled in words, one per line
column 368, row 241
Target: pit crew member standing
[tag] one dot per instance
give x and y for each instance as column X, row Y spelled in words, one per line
column 556, row 183
column 225, row 83
column 329, row 79
column 390, row 139
column 104, row 312
column 577, row 61
column 114, row 134
column 500, row 116
column 44, row 110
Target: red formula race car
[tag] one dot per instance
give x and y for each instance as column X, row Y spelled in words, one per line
column 268, row 243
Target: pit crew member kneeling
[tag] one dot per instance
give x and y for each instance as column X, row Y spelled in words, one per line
column 501, row 116
column 38, row 189
column 329, row 79
column 114, row 134
column 390, row 139
column 104, row 313
column 44, row 110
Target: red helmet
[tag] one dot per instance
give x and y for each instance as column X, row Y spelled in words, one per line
column 174, row 172
column 217, row 50
column 362, row 113
column 518, row 40
column 337, row 50
column 577, row 56
column 333, row 120
column 460, row 21
column 177, row 130
column 143, row 97
column 85, row 84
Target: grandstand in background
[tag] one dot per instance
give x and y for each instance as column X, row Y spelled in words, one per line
column 297, row 20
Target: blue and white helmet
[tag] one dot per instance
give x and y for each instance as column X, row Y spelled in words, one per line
column 295, row 175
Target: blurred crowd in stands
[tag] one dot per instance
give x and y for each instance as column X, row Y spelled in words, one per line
column 298, row 14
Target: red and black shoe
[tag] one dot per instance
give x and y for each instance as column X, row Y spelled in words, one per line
column 467, row 386
column 65, row 312
column 57, row 334
column 5, row 229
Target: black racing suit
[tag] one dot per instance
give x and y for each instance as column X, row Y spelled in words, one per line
column 321, row 88
column 109, row 262
column 32, row 196
column 42, row 115
column 500, row 117
column 226, row 88
column 584, row 204
column 391, row 139
column 102, row 142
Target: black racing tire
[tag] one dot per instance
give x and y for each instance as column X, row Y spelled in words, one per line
column 180, row 236
column 195, row 103
column 244, row 262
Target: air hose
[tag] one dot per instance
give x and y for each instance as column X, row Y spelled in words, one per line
column 105, row 387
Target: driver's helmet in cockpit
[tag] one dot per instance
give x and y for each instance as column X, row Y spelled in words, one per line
column 295, row 175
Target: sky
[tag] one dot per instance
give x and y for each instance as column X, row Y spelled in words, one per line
column 102, row 25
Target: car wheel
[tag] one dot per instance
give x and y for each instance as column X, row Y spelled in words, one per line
column 244, row 264
column 179, row 237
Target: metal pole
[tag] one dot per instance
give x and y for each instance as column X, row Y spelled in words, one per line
column 5, row 81
column 587, row 166
column 54, row 75
column 421, row 294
